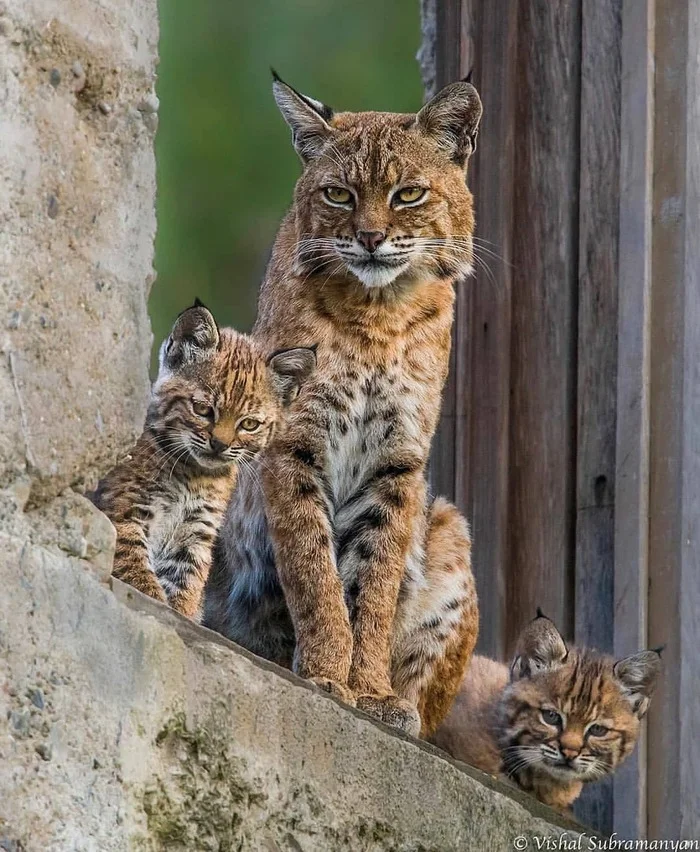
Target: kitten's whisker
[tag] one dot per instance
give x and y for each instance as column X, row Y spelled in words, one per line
column 186, row 450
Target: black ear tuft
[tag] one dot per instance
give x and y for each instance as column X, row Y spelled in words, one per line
column 194, row 337
column 659, row 650
column 275, row 75
column 198, row 303
column 469, row 76
column 540, row 647
column 307, row 118
column 451, row 120
column 637, row 676
column 290, row 369
column 540, row 614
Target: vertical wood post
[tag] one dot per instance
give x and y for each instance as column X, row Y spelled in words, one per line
column 629, row 613
column 674, row 498
column 571, row 428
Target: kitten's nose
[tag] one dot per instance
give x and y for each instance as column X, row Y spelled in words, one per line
column 371, row 240
column 569, row 752
column 216, row 445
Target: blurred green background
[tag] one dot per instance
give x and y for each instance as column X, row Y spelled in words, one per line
column 226, row 167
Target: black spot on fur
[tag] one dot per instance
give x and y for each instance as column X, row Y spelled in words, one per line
column 343, row 542
column 431, row 623
column 305, row 488
column 395, row 470
column 130, row 541
column 372, row 518
column 305, row 455
column 364, row 550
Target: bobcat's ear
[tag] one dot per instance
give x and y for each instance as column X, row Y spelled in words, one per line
column 637, row 675
column 539, row 647
column 195, row 337
column 290, row 369
column 452, row 118
column 307, row 118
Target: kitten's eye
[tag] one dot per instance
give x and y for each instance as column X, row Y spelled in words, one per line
column 201, row 409
column 338, row 195
column 249, row 424
column 551, row 717
column 597, row 730
column 409, row 195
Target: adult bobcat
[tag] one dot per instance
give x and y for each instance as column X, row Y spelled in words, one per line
column 376, row 576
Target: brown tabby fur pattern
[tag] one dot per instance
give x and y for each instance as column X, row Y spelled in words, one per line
column 557, row 720
column 168, row 496
column 344, row 567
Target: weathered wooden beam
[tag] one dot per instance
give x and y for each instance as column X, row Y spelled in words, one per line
column 443, row 17
column 543, row 338
column 597, row 345
column 629, row 613
column 674, row 499
column 483, row 321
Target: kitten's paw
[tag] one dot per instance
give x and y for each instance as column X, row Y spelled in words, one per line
column 393, row 711
column 334, row 688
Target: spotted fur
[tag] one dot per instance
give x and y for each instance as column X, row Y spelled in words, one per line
column 557, row 720
column 344, row 568
column 216, row 403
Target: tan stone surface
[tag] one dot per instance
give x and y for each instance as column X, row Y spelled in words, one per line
column 77, row 186
column 126, row 727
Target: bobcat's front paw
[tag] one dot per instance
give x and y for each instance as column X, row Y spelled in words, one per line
column 393, row 711
column 334, row 688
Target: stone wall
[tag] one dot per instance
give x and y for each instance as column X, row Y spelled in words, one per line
column 77, row 220
column 129, row 728
column 122, row 726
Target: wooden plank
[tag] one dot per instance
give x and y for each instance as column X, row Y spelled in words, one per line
column 632, row 457
column 598, row 234
column 483, row 324
column 674, row 503
column 598, row 230
column 689, row 562
column 443, row 461
column 543, row 346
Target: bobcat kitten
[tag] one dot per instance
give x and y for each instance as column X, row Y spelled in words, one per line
column 560, row 718
column 216, row 403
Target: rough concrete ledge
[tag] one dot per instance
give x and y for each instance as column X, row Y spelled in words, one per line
column 125, row 727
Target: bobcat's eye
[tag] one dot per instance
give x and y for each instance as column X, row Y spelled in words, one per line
column 409, row 195
column 201, row 409
column 597, row 730
column 551, row 717
column 338, row 195
column 249, row 424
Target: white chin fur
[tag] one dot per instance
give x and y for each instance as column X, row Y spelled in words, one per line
column 377, row 276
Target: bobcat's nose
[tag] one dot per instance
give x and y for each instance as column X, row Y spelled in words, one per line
column 569, row 752
column 216, row 445
column 371, row 240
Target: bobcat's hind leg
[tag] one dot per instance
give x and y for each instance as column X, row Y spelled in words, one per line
column 437, row 620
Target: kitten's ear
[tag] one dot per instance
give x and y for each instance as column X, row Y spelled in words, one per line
column 307, row 118
column 195, row 337
column 290, row 369
column 539, row 647
column 452, row 118
column 638, row 675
